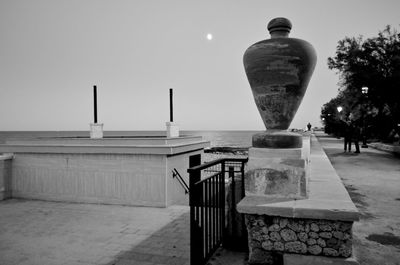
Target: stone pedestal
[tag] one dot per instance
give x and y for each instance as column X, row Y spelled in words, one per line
column 172, row 129
column 277, row 172
column 96, row 130
column 294, row 208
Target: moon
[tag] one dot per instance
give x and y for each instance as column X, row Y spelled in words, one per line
column 209, row 36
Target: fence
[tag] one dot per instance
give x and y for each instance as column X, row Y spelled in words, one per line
column 207, row 204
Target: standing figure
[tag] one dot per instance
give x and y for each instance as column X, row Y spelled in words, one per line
column 309, row 126
column 356, row 137
column 348, row 134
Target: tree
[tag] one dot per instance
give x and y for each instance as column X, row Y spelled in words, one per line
column 372, row 63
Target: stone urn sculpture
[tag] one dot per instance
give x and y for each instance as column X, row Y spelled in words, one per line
column 279, row 70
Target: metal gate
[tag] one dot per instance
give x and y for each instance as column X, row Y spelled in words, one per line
column 207, row 205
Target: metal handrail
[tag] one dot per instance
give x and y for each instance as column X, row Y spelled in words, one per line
column 176, row 174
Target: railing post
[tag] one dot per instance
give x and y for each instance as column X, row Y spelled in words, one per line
column 242, row 177
column 195, row 231
column 195, row 236
column 231, row 174
column 222, row 194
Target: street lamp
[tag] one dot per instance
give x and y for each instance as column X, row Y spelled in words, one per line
column 364, row 91
column 339, row 109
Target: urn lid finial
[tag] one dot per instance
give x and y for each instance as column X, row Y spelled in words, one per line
column 279, row 24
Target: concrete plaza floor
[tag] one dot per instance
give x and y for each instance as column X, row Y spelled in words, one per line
column 52, row 233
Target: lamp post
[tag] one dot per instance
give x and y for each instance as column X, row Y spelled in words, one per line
column 364, row 91
column 339, row 126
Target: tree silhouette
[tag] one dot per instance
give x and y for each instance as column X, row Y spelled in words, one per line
column 372, row 63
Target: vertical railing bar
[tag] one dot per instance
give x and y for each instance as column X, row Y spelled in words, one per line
column 217, row 209
column 233, row 197
column 209, row 217
column 242, row 175
column 212, row 211
column 204, row 224
column 206, row 216
column 223, row 199
column 222, row 182
column 215, row 192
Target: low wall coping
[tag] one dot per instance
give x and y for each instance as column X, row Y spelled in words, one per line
column 327, row 197
column 106, row 146
column 386, row 147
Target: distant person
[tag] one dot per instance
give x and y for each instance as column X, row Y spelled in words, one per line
column 348, row 134
column 309, row 126
column 356, row 137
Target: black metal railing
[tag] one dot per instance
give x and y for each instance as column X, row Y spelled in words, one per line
column 175, row 174
column 207, row 205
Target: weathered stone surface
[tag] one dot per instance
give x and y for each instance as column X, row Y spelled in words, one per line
column 345, row 251
column 274, row 228
column 338, row 234
column 254, row 244
column 302, row 236
column 295, row 226
column 331, row 242
column 283, row 222
column 267, row 245
column 321, row 242
column 265, row 237
column 325, row 234
column 314, row 227
column 264, row 230
column 311, row 241
column 347, row 236
column 325, row 227
column 314, row 249
column 274, row 236
column 279, row 246
column 277, row 179
column 296, row 247
column 288, row 235
column 330, row 252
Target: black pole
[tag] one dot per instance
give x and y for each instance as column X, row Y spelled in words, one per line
column 171, row 106
column 95, row 103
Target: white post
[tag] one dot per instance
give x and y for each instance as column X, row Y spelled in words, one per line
column 96, row 130
column 172, row 129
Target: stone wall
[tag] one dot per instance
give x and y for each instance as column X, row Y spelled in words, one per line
column 269, row 234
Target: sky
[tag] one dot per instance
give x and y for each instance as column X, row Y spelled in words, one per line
column 53, row 52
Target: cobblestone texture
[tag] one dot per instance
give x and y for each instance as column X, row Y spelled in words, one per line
column 302, row 236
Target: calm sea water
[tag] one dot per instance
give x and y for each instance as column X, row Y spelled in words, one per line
column 217, row 138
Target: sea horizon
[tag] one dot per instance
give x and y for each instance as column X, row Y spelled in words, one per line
column 232, row 138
